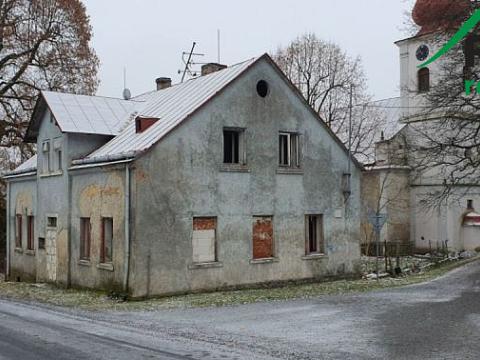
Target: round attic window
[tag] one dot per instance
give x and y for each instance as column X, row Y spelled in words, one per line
column 262, row 88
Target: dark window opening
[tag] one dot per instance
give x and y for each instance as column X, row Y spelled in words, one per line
column 471, row 51
column 262, row 88
column 85, row 234
column 51, row 221
column 30, row 232
column 41, row 243
column 107, row 241
column 18, row 231
column 469, row 204
column 59, row 160
column 289, row 150
column 423, row 80
column 233, row 146
column 314, row 234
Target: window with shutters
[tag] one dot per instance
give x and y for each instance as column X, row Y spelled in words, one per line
column 107, row 240
column 262, row 237
column 85, row 238
column 314, row 243
column 204, row 240
column 18, row 231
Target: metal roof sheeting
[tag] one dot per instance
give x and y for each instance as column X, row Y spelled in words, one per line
column 28, row 166
column 172, row 106
column 90, row 114
column 387, row 123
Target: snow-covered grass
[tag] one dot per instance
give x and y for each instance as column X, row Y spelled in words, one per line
column 94, row 300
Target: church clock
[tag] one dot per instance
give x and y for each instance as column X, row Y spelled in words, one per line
column 422, row 52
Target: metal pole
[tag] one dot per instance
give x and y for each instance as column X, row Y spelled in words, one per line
column 350, row 138
column 218, row 45
column 377, row 231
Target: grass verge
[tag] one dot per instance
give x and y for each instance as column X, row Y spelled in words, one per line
column 96, row 301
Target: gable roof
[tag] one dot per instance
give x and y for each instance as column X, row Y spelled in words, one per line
column 82, row 114
column 172, row 106
column 176, row 104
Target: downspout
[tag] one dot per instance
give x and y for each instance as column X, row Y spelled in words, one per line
column 7, row 237
column 69, row 227
column 126, row 269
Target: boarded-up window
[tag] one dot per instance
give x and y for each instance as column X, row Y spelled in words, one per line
column 262, row 237
column 203, row 239
column 107, row 240
column 30, row 232
column 85, row 237
column 18, row 231
column 314, row 234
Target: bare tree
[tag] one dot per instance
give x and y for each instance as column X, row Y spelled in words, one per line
column 325, row 75
column 44, row 45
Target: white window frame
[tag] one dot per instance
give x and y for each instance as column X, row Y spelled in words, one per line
column 46, row 157
column 291, row 137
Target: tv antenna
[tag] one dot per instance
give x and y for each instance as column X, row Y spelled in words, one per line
column 188, row 60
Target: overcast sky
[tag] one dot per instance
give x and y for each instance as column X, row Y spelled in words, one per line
column 148, row 36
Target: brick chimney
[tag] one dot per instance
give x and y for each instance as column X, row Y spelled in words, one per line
column 211, row 68
column 163, row 83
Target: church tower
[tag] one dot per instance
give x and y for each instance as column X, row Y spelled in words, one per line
column 437, row 20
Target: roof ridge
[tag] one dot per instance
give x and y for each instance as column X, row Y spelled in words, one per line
column 90, row 96
column 198, row 77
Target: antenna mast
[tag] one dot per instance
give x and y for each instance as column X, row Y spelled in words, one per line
column 189, row 63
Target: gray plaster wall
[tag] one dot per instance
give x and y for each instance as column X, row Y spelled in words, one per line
column 182, row 177
column 22, row 195
column 51, row 192
column 97, row 193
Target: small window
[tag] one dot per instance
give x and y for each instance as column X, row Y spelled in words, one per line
column 30, row 232
column 204, row 239
column 233, row 146
column 107, row 240
column 262, row 88
column 18, row 231
column 85, row 237
column 51, row 221
column 59, row 160
column 262, row 237
column 289, row 150
column 423, row 80
column 57, row 145
column 314, row 234
column 470, row 204
column 41, row 243
column 46, row 157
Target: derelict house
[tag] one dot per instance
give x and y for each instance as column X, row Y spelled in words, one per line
column 228, row 179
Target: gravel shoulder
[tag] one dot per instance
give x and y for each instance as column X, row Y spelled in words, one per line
column 99, row 301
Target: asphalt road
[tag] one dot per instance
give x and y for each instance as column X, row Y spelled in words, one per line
column 436, row 320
